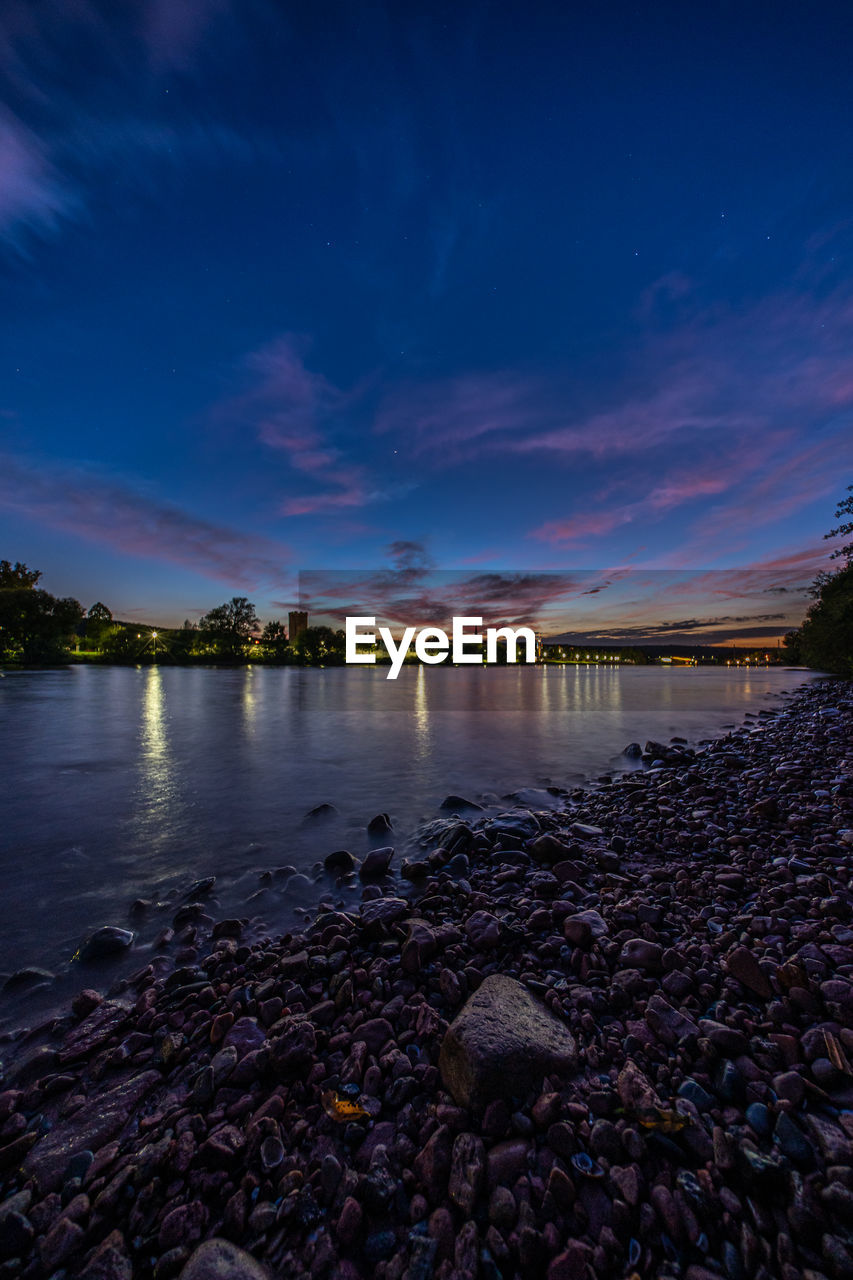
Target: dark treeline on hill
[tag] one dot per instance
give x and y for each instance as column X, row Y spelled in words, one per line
column 35, row 627
column 825, row 640
column 229, row 634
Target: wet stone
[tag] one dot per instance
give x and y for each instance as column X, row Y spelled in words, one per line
column 467, row 1167
column 107, row 941
column 502, row 1043
column 217, row 1259
column 792, row 1142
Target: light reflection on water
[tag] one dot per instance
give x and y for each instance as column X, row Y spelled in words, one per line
column 125, row 782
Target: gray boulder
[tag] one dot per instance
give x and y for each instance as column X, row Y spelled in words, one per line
column 376, row 863
column 221, row 1260
column 501, row 1044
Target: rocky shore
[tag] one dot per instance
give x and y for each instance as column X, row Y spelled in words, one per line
column 611, row 1039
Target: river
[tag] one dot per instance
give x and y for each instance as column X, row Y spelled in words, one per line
column 125, row 783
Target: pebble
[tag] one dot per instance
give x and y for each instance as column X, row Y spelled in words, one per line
column 675, row 948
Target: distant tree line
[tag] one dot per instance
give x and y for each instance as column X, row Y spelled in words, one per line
column 35, row 627
column 825, row 639
column 39, row 628
column 231, row 633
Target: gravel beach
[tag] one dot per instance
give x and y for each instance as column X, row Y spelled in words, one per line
column 609, row 1039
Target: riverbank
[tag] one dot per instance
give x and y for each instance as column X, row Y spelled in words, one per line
column 677, row 1101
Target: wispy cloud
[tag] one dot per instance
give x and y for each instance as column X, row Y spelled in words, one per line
column 33, row 195
column 705, row 479
column 788, row 482
column 300, row 414
column 174, row 29
column 716, row 375
column 450, row 420
column 117, row 517
column 60, row 139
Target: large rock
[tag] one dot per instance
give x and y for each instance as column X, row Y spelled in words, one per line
column 420, row 946
column 743, row 966
column 583, row 927
column 376, row 863
column 106, row 941
column 379, row 915
column 98, row 1029
column 293, row 1051
column 502, row 1043
column 669, row 1025
column 547, row 848
column 101, row 1118
column 636, row 1092
column 639, row 953
column 221, row 1260
column 467, row 1166
column 109, row 1261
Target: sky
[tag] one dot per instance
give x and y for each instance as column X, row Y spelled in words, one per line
column 518, row 288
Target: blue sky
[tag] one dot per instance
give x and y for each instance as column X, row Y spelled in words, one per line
column 549, row 287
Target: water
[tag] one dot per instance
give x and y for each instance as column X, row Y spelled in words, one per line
column 124, row 783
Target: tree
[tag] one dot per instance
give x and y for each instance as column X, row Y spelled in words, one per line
column 120, row 641
column 826, row 636
column 98, row 621
column 793, row 648
column 274, row 639
column 320, row 645
column 17, row 575
column 229, row 626
column 844, row 508
column 34, row 625
column 825, row 640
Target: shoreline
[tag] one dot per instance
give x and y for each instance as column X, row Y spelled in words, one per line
column 105, row 850
column 688, row 927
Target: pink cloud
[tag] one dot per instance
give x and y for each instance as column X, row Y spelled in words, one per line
column 117, row 518
column 415, row 593
column 433, row 418
column 786, row 485
column 590, row 524
column 352, row 493
column 294, row 412
column 680, row 487
column 722, row 373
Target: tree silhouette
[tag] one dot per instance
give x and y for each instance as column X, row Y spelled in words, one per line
column 98, row 621
column 34, row 625
column 825, row 640
column 844, row 508
column 274, row 638
column 228, row 626
column 17, row 575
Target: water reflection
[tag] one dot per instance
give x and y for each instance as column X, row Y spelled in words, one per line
column 155, row 763
column 162, row 775
column 421, row 710
column 249, row 702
